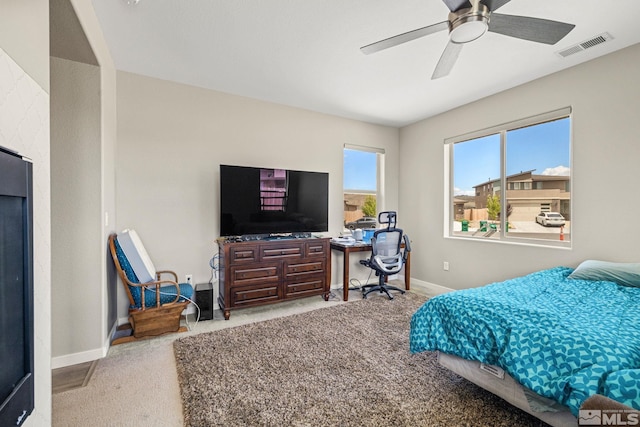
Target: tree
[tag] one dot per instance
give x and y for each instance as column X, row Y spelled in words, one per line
column 493, row 207
column 369, row 206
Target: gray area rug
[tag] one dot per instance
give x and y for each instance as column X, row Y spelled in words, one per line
column 347, row 365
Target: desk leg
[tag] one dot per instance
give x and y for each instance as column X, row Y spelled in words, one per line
column 407, row 272
column 327, row 278
column 345, row 276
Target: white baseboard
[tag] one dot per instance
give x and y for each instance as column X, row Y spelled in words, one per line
column 85, row 356
column 428, row 289
column 76, row 358
column 420, row 286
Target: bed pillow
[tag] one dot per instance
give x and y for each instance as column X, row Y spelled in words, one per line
column 626, row 274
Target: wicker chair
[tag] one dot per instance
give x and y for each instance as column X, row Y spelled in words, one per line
column 155, row 306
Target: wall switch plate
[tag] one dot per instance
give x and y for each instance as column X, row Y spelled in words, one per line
column 189, row 279
column 445, row 266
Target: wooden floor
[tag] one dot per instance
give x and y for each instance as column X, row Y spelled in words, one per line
column 70, row 377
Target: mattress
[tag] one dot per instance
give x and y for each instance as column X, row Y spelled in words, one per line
column 498, row 382
column 565, row 339
column 137, row 256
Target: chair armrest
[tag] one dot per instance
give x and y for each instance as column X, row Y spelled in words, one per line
column 169, row 272
column 407, row 248
column 407, row 243
column 366, row 262
column 157, row 285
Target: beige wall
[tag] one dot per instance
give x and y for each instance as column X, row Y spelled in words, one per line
column 24, row 36
column 75, row 207
column 172, row 139
column 605, row 97
column 83, row 186
column 24, row 108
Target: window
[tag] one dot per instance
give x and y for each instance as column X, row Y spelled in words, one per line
column 519, row 186
column 505, row 181
column 361, row 185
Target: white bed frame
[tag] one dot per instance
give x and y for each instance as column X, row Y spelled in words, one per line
column 500, row 383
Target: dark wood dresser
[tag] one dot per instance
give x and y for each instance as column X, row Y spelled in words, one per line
column 261, row 272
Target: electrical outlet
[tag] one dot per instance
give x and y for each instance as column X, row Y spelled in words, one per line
column 189, row 279
column 445, row 266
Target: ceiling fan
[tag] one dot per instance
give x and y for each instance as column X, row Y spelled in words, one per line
column 469, row 20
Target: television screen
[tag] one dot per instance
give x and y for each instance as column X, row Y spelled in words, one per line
column 272, row 201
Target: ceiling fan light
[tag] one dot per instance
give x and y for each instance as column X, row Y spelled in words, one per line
column 469, row 30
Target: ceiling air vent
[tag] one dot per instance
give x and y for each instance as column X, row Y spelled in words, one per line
column 602, row 38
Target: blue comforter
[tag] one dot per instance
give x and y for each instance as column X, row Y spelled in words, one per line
column 563, row 338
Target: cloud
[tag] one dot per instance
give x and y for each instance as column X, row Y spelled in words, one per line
column 557, row 171
column 460, row 192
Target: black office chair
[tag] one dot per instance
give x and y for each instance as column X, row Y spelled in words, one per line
column 387, row 256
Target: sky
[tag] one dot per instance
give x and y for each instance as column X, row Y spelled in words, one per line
column 359, row 170
column 543, row 147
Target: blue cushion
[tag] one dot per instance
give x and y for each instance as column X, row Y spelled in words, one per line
column 167, row 292
column 124, row 263
column 625, row 274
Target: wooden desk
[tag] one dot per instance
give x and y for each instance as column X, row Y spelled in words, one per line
column 363, row 247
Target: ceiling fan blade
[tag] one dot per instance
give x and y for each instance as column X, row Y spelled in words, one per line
column 404, row 37
column 494, row 5
column 528, row 28
column 455, row 5
column 447, row 60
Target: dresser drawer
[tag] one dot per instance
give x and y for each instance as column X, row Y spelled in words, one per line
column 316, row 248
column 301, row 288
column 247, row 275
column 282, row 251
column 308, row 266
column 254, row 295
column 243, row 254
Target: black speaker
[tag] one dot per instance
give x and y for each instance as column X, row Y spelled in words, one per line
column 204, row 300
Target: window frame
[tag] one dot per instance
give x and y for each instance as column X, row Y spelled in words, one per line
column 502, row 130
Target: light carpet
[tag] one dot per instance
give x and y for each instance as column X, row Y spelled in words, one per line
column 347, row 365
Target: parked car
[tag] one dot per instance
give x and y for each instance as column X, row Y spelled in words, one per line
column 550, row 218
column 364, row 222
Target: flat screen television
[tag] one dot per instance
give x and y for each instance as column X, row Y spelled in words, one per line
column 268, row 201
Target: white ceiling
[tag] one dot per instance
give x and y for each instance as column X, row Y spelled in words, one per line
column 306, row 53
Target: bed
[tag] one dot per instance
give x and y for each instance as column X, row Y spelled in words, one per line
column 546, row 341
